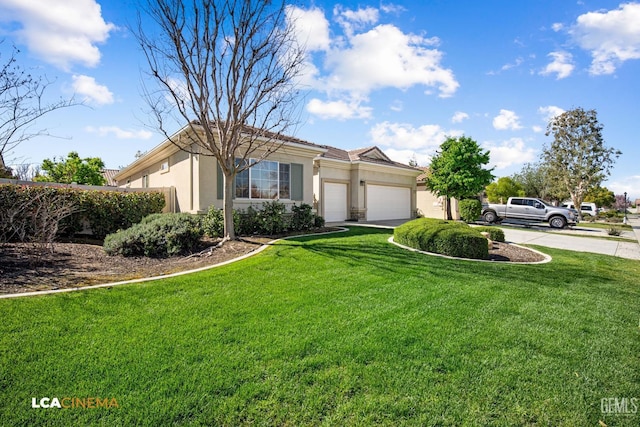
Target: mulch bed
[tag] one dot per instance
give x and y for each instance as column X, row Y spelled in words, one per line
column 27, row 268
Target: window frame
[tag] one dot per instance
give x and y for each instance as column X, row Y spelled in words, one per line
column 247, row 178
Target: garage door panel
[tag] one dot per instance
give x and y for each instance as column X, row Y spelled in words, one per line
column 387, row 202
column 335, row 202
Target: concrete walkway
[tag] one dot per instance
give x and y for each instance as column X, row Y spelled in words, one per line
column 569, row 239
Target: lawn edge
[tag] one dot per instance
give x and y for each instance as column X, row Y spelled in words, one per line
column 164, row 276
column 547, row 258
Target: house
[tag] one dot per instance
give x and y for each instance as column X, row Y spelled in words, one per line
column 108, row 175
column 431, row 205
column 341, row 185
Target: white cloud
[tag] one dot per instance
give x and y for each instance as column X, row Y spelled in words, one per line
column 518, row 61
column 341, row 110
column 403, row 136
column 537, row 129
column 119, row 133
column 506, row 120
column 311, row 27
column 561, row 65
column 60, row 32
column 397, row 105
column 404, row 156
column 367, row 56
column 629, row 184
column 351, row 20
column 459, row 116
column 549, row 112
column 557, row 27
column 509, row 153
column 387, row 57
column 91, row 90
column 611, row 37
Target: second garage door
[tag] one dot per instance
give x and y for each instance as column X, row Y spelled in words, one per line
column 335, row 201
column 385, row 202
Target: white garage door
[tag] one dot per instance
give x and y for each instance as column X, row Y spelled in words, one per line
column 335, row 202
column 385, row 202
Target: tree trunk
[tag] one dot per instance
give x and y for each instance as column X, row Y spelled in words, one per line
column 448, row 203
column 229, row 231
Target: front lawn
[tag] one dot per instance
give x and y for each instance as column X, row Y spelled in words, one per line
column 343, row 329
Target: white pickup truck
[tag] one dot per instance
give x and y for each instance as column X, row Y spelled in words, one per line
column 532, row 209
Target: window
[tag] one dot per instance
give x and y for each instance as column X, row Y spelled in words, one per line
column 164, row 166
column 145, row 181
column 265, row 180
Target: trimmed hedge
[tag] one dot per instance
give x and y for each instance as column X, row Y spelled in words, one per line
column 451, row 238
column 272, row 218
column 495, row 234
column 158, row 235
column 104, row 211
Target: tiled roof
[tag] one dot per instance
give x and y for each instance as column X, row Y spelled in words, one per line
column 376, row 156
column 108, row 175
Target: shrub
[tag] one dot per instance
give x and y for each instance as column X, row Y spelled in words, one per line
column 302, row 218
column 103, row 211
column 470, row 209
column 213, row 222
column 159, row 235
column 614, row 231
column 273, row 218
column 443, row 237
column 495, row 234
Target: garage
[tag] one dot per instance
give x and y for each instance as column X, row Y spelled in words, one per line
column 386, row 202
column 335, row 202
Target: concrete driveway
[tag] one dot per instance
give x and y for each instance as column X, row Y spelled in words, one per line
column 576, row 239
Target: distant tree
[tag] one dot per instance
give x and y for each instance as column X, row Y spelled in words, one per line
column 578, row 158
column 22, row 103
column 413, row 162
column 601, row 196
column 534, row 180
column 457, row 170
column 73, row 169
column 621, row 202
column 228, row 69
column 505, row 187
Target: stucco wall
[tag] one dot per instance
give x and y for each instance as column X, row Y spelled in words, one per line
column 431, row 206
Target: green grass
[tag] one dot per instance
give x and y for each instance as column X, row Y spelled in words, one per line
column 343, row 329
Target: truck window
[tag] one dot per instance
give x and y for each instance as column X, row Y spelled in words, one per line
column 516, row 202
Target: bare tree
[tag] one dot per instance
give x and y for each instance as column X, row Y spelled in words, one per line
column 21, row 104
column 228, row 69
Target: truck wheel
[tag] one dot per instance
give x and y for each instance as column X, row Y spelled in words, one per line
column 557, row 222
column 490, row 217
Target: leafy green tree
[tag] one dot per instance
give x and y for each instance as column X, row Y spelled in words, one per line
column 578, row 158
column 533, row 178
column 73, row 169
column 505, row 187
column 457, row 170
column 601, row 196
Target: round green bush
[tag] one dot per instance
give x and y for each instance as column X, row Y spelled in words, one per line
column 158, row 235
column 495, row 234
column 450, row 238
column 470, row 209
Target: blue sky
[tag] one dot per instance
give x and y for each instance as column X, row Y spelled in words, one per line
column 401, row 75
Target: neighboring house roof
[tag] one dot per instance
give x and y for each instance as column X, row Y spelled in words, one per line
column 109, row 175
column 425, row 170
